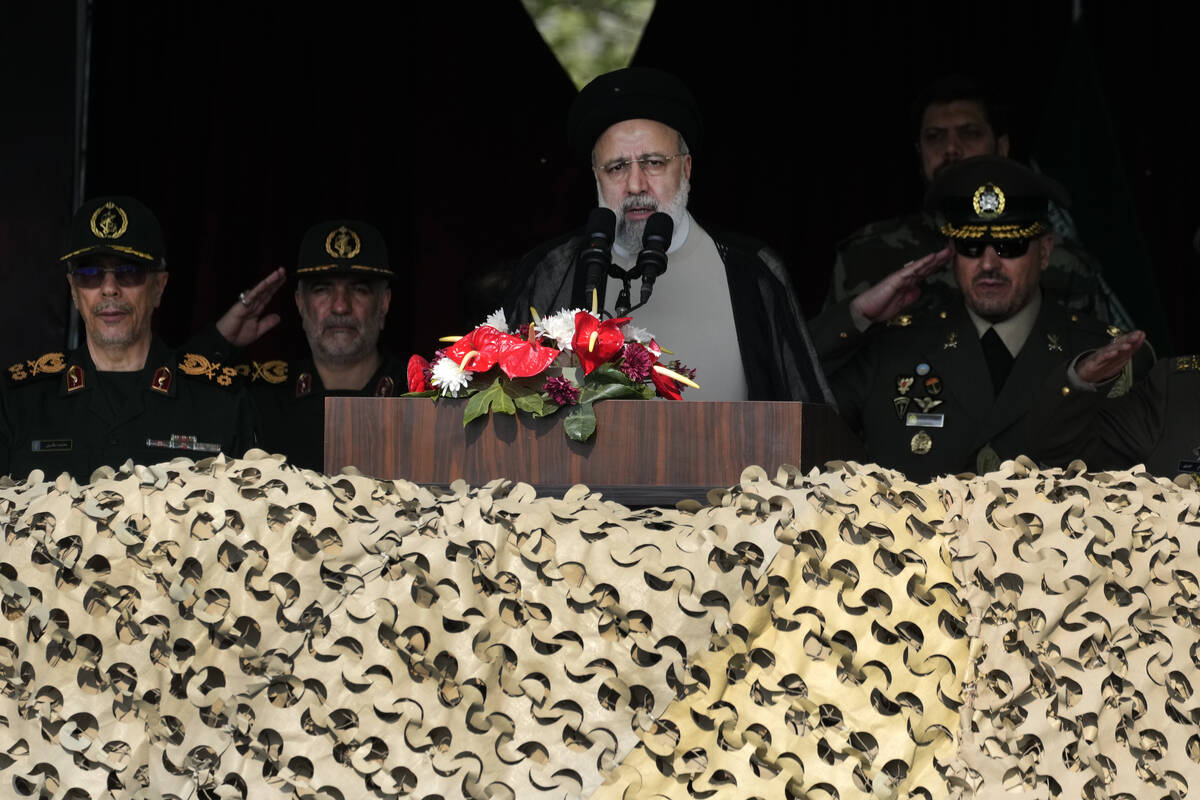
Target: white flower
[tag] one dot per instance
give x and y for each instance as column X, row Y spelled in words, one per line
column 497, row 320
column 635, row 334
column 560, row 327
column 449, row 377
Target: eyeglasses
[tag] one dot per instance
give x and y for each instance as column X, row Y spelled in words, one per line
column 651, row 165
column 126, row 275
column 1005, row 248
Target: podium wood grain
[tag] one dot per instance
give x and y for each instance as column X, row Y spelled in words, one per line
column 644, row 452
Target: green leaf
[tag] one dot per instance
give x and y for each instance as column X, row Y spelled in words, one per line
column 607, row 373
column 492, row 399
column 535, row 404
column 426, row 393
column 580, row 423
column 609, row 391
column 477, row 406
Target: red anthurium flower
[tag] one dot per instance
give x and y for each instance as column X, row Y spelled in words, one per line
column 418, row 368
column 666, row 387
column 521, row 358
column 596, row 342
column 485, row 342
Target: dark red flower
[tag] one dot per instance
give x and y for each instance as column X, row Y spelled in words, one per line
column 666, row 387
column 561, row 391
column 637, row 361
column 418, row 374
column 517, row 357
column 607, row 343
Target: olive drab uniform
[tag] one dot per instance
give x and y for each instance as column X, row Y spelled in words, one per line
column 58, row 413
column 1157, row 423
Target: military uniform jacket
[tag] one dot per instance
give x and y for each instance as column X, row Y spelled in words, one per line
column 53, row 417
column 777, row 353
column 873, row 252
column 919, row 393
column 290, row 403
column 1157, row 423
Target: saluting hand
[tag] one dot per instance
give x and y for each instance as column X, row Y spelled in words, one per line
column 1100, row 365
column 245, row 321
column 899, row 290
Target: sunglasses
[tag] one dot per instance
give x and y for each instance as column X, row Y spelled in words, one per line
column 1005, row 248
column 126, row 275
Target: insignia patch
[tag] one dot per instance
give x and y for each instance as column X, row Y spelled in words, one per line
column 933, row 385
column 109, row 221
column 1187, row 363
column 51, row 445
column 925, row 421
column 196, row 364
column 900, row 321
column 47, row 364
column 303, row 384
column 926, row 403
column 988, row 201
column 386, row 387
column 270, row 371
column 1052, row 343
column 921, row 443
column 1113, row 331
column 904, row 383
column 901, row 406
column 161, row 382
column 951, row 342
column 342, row 242
column 922, row 368
column 74, row 378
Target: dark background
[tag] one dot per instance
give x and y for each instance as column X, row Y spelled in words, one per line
column 242, row 124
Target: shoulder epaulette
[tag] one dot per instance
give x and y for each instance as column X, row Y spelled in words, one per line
column 1187, row 364
column 197, row 365
column 42, row 366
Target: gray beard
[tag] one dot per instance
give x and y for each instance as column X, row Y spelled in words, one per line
column 629, row 232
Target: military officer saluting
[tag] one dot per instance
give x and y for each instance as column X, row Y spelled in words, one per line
column 124, row 394
column 947, row 388
column 343, row 293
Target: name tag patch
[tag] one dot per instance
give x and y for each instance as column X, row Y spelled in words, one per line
column 52, row 445
column 180, row 442
column 915, row 420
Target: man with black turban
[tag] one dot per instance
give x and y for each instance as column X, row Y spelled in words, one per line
column 725, row 303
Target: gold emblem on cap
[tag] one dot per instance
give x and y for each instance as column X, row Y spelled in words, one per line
column 109, row 221
column 343, row 242
column 988, row 201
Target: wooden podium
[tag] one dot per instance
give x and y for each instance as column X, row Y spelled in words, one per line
column 644, row 452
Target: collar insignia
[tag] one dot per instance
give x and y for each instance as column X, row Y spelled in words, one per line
column 386, row 387
column 951, row 342
column 161, row 382
column 988, row 201
column 109, row 221
column 303, row 384
column 342, row 242
column 1053, row 344
column 74, row 378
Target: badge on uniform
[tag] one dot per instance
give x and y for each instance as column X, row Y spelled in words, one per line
column 180, row 441
column 925, row 420
column 303, row 384
column 1052, row 343
column 385, row 387
column 951, row 342
column 921, row 444
column 161, row 382
column 52, row 445
column 74, row 378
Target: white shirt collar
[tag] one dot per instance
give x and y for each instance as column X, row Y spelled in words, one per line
column 678, row 237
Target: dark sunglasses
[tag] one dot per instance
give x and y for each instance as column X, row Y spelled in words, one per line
column 1005, row 248
column 126, row 275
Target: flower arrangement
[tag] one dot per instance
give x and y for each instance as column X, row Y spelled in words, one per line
column 570, row 360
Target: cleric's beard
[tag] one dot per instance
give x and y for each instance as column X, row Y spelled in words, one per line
column 629, row 232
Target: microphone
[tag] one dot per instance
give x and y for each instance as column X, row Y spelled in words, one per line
column 601, row 225
column 652, row 261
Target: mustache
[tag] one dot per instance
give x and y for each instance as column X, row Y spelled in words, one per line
column 643, row 200
column 991, row 275
column 111, row 305
column 341, row 322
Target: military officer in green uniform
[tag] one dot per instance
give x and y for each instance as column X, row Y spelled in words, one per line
column 952, row 119
column 1157, row 423
column 343, row 292
column 124, row 394
column 946, row 388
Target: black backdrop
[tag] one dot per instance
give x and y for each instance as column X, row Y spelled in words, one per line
column 242, row 124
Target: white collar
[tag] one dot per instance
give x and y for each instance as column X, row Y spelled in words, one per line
column 678, row 237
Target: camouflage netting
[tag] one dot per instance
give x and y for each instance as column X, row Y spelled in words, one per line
column 241, row 628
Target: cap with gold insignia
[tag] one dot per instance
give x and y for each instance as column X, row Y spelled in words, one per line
column 115, row 225
column 343, row 247
column 991, row 198
column 632, row 93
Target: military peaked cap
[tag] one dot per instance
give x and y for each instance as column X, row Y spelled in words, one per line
column 992, row 197
column 116, row 225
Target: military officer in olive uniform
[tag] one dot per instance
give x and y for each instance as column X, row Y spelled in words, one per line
column 343, row 293
column 1157, row 423
column 952, row 119
column 946, row 388
column 125, row 394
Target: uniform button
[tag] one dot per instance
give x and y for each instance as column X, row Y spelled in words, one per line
column 1066, row 390
column 844, row 335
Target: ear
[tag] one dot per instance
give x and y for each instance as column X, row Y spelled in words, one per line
column 386, row 301
column 74, row 294
column 1002, row 146
column 161, row 285
column 1045, row 246
column 687, row 167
